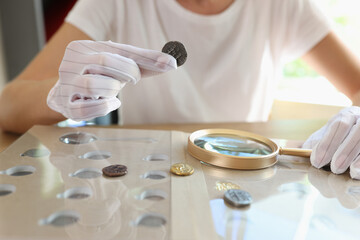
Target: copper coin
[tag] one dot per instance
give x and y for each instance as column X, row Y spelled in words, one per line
column 115, row 170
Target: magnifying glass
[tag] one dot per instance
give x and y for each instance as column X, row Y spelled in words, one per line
column 237, row 149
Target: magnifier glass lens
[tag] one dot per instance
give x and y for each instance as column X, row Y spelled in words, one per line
column 232, row 145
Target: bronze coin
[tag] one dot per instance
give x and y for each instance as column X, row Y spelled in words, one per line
column 115, row 170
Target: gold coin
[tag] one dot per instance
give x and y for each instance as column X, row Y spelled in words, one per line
column 182, row 169
column 221, row 186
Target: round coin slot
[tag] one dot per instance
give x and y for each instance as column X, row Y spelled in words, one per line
column 6, row 189
column 152, row 194
column 36, row 153
column 151, row 220
column 86, row 173
column 76, row 193
column 155, row 175
column 96, row 155
column 19, row 171
column 61, row 219
column 78, row 138
column 299, row 188
column 156, row 157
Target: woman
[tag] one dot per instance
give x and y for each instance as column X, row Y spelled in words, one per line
column 236, row 50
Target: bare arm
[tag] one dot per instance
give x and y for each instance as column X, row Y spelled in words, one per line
column 331, row 58
column 23, row 100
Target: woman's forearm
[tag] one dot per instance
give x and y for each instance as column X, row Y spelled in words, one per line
column 331, row 58
column 23, row 104
column 23, row 100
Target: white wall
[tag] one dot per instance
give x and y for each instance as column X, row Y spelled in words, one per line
column 2, row 63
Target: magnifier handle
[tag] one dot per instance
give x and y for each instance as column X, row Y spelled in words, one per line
column 299, row 152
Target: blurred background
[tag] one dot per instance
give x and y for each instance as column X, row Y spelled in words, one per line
column 300, row 83
column 26, row 25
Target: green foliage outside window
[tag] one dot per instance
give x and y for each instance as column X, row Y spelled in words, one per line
column 302, row 84
column 298, row 68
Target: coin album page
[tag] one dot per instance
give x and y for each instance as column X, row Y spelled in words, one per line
column 52, row 187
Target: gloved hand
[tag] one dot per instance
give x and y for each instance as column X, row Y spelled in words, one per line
column 338, row 143
column 92, row 73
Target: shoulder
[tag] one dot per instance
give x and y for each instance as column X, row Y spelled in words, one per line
column 295, row 6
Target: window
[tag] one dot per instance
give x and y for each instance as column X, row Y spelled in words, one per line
column 300, row 83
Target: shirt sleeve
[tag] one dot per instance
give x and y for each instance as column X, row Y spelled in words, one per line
column 304, row 26
column 93, row 17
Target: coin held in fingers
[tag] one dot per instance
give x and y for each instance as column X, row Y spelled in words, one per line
column 177, row 50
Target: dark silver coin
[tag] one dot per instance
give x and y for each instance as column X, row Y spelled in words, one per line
column 237, row 197
column 177, row 50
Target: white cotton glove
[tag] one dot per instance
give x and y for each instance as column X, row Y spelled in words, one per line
column 92, row 73
column 338, row 143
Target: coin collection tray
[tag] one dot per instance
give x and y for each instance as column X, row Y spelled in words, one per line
column 52, row 187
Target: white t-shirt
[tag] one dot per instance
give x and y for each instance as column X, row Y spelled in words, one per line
column 235, row 58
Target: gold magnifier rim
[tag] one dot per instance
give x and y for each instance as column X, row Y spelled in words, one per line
column 228, row 161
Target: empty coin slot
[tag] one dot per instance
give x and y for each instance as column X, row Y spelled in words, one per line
column 6, row 189
column 36, row 153
column 61, row 219
column 156, row 157
column 96, row 155
column 86, row 173
column 19, row 171
column 151, row 220
column 78, row 138
column 152, row 194
column 155, row 175
column 76, row 193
